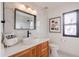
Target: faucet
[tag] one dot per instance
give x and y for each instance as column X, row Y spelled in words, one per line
column 28, row 33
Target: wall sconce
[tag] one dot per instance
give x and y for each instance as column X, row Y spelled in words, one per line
column 26, row 8
column 31, row 10
column 21, row 6
column 34, row 12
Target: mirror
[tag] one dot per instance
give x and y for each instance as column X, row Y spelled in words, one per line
column 24, row 20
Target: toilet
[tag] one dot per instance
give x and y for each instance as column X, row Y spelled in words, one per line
column 53, row 50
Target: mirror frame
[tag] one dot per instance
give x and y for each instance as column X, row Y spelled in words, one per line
column 25, row 13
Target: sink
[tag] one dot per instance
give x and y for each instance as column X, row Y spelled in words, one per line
column 28, row 41
column 10, row 42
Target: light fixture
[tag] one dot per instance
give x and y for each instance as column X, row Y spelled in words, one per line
column 29, row 9
column 22, row 7
column 34, row 12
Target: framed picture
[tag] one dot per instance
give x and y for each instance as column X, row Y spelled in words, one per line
column 55, row 24
column 71, row 23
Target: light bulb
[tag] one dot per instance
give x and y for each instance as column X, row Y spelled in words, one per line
column 22, row 7
column 34, row 12
column 29, row 9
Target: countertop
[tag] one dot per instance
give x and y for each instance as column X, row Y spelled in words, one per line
column 21, row 46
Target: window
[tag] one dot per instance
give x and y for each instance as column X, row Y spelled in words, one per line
column 71, row 23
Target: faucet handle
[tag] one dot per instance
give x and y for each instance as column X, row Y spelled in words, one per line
column 29, row 32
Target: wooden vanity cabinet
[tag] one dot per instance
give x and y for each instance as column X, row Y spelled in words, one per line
column 33, row 51
column 44, row 49
column 40, row 50
column 25, row 53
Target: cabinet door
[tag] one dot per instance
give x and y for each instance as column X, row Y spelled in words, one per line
column 34, row 51
column 38, row 50
column 25, row 53
column 44, row 52
column 44, row 49
column 44, row 45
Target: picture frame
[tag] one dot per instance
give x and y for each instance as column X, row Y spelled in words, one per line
column 55, row 25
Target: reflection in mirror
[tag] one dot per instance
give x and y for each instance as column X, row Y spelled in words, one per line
column 24, row 20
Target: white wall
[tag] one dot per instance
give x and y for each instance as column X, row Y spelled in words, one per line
column 1, row 18
column 67, row 44
column 1, row 29
column 41, row 21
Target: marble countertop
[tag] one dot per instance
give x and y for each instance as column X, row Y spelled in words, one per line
column 21, row 46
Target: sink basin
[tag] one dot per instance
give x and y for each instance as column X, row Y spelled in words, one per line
column 10, row 42
column 28, row 41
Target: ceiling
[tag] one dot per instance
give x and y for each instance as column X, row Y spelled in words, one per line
column 54, row 4
column 51, row 5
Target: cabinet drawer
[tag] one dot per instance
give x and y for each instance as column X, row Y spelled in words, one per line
column 44, row 52
column 44, row 45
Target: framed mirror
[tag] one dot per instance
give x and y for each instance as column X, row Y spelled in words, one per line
column 24, row 20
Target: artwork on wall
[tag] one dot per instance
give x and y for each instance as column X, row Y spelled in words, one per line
column 71, row 23
column 55, row 24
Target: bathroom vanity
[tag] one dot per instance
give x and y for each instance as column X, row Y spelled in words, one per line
column 26, row 46
column 39, row 48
